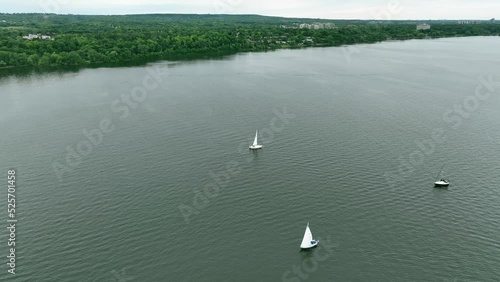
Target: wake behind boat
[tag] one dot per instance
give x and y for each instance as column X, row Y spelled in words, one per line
column 308, row 242
column 255, row 145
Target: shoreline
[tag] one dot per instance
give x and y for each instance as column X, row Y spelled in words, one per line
column 205, row 56
column 53, row 41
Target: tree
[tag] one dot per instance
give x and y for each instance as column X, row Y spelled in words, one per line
column 45, row 60
column 33, row 59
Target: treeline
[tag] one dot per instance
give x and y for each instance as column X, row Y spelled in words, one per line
column 85, row 40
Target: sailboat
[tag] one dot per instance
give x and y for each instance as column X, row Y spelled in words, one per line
column 308, row 242
column 255, row 145
column 442, row 182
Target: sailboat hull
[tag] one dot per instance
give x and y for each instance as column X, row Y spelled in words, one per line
column 310, row 247
column 441, row 184
column 255, row 147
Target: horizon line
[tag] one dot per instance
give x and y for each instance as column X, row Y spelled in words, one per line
column 270, row 16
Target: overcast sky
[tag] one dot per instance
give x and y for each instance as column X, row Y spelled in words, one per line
column 329, row 9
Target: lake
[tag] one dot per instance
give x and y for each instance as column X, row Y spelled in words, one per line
column 143, row 173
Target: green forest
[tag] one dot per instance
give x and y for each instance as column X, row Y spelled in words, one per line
column 89, row 40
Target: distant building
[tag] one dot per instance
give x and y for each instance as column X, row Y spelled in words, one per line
column 423, row 26
column 318, row 26
column 492, row 20
column 329, row 25
column 37, row 36
column 309, row 40
column 468, row 22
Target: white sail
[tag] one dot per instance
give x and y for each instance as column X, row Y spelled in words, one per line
column 255, row 145
column 255, row 140
column 308, row 237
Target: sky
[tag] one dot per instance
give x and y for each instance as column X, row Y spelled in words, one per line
column 327, row 9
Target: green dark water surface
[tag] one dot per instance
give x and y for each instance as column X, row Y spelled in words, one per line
column 337, row 125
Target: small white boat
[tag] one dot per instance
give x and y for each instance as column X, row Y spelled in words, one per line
column 308, row 242
column 255, row 145
column 442, row 182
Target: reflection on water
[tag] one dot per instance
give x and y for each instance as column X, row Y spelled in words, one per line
column 26, row 72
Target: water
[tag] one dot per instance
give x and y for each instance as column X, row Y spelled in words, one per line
column 351, row 117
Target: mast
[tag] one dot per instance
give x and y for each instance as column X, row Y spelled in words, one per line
column 439, row 172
